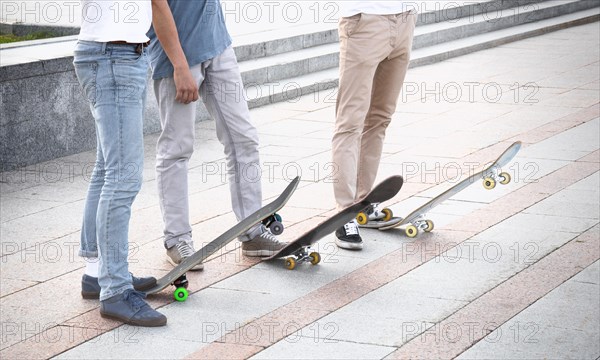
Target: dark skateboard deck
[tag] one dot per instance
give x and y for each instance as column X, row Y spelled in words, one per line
column 216, row 244
column 416, row 221
column 297, row 251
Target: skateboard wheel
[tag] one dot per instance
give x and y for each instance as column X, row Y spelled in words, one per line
column 411, row 231
column 388, row 214
column 429, row 227
column 276, row 228
column 290, row 263
column 362, row 218
column 315, row 258
column 181, row 294
column 505, row 178
column 489, row 183
column 277, row 217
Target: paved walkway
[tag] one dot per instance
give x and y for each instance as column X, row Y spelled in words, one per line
column 510, row 273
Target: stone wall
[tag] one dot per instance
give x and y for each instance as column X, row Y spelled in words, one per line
column 44, row 114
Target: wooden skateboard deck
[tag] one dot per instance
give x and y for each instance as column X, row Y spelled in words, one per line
column 415, row 221
column 216, row 244
column 297, row 249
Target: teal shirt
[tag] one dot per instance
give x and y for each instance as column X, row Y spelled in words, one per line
column 202, row 33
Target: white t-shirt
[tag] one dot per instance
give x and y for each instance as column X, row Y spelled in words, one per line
column 350, row 8
column 115, row 20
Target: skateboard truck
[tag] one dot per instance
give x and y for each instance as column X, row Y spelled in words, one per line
column 489, row 182
column 419, row 224
column 305, row 254
column 274, row 224
column 371, row 213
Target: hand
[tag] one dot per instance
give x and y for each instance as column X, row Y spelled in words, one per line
column 187, row 89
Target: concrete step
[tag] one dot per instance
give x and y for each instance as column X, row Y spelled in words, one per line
column 474, row 24
column 450, row 11
column 323, row 83
column 286, row 40
column 443, row 51
column 319, row 51
column 290, row 64
column 445, row 15
column 300, row 37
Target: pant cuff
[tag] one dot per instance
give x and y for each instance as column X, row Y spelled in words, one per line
column 108, row 294
column 169, row 243
column 88, row 254
column 252, row 233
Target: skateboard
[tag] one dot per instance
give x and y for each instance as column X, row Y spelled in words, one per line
column 299, row 251
column 176, row 277
column 416, row 221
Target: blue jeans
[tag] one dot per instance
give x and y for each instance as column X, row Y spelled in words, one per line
column 114, row 79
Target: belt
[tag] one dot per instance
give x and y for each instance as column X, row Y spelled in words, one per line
column 138, row 46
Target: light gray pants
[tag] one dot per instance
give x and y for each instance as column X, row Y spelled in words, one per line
column 220, row 85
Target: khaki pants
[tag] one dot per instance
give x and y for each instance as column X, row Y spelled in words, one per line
column 374, row 57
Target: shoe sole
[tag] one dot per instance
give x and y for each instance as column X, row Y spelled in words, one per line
column 90, row 295
column 258, row 253
column 348, row 246
column 198, row 267
column 133, row 322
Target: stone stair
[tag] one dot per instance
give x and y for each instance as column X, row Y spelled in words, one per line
column 309, row 63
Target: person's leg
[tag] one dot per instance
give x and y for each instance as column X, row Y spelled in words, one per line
column 173, row 151
column 87, row 72
column 222, row 93
column 89, row 244
column 114, row 80
column 121, row 81
column 387, row 85
column 363, row 45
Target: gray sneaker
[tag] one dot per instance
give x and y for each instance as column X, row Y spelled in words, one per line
column 264, row 244
column 182, row 250
column 130, row 308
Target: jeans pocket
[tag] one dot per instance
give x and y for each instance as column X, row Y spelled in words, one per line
column 131, row 80
column 131, row 56
column 87, row 72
